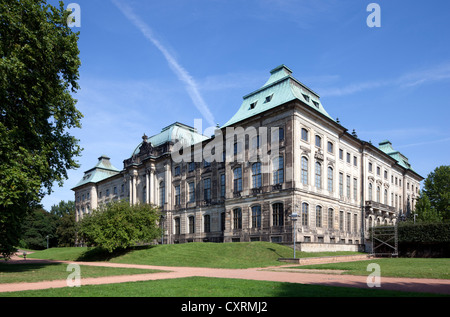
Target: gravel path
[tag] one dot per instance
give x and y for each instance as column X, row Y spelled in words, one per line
column 279, row 274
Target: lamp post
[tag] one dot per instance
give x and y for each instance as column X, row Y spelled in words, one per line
column 294, row 220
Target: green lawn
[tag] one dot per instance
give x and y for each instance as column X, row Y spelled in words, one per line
column 210, row 287
column 17, row 273
column 396, row 267
column 214, row 255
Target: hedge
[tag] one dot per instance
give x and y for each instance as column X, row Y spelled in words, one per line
column 424, row 232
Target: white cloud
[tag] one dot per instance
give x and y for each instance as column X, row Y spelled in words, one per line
column 410, row 79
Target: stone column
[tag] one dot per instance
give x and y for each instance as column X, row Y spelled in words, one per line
column 130, row 188
column 147, row 186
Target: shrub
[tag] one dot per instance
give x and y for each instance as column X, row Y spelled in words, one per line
column 117, row 225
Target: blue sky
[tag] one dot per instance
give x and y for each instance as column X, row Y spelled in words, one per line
column 147, row 64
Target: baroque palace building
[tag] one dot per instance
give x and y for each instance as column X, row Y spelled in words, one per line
column 280, row 155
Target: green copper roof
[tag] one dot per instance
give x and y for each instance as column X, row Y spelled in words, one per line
column 280, row 88
column 175, row 132
column 102, row 170
column 386, row 147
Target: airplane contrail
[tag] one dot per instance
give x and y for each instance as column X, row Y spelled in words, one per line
column 181, row 73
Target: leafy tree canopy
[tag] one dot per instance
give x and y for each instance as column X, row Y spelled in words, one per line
column 437, row 189
column 39, row 62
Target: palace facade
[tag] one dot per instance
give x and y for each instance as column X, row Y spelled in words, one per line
column 280, row 159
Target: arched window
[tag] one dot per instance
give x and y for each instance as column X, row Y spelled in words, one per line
column 385, row 197
column 277, row 215
column 330, row 179
column 237, row 182
column 162, row 194
column 304, row 135
column 370, row 191
column 318, row 141
column 318, row 175
column 256, row 175
column 237, row 218
column 256, row 216
column 177, row 225
column 191, row 224
column 318, row 216
column 330, row 218
column 305, row 214
column 304, row 170
column 278, row 170
column 378, row 194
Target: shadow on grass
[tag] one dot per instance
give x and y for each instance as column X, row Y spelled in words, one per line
column 99, row 254
column 6, row 267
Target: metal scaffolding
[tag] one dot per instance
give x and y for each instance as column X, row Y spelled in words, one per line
column 385, row 240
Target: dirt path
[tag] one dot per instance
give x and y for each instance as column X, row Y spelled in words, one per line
column 278, row 274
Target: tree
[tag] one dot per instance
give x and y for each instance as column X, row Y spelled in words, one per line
column 424, row 211
column 39, row 62
column 119, row 225
column 437, row 188
column 66, row 226
column 36, row 227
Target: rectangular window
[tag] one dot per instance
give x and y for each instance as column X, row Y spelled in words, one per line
column 304, row 170
column 278, row 170
column 191, row 224
column 341, row 184
column 348, row 157
column 318, row 175
column 191, row 167
column 177, row 171
column 177, row 226
column 237, row 182
column 349, row 221
column 355, row 161
column 207, row 223
column 177, row 195
column 341, row 154
column 348, row 186
column 191, row 192
column 330, row 179
column 278, row 215
column 355, row 188
column 207, row 189
column 341, row 220
column 222, row 185
column 256, row 175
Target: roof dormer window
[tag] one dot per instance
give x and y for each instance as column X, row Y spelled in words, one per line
column 306, row 97
column 268, row 98
column 316, row 104
column 253, row 105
